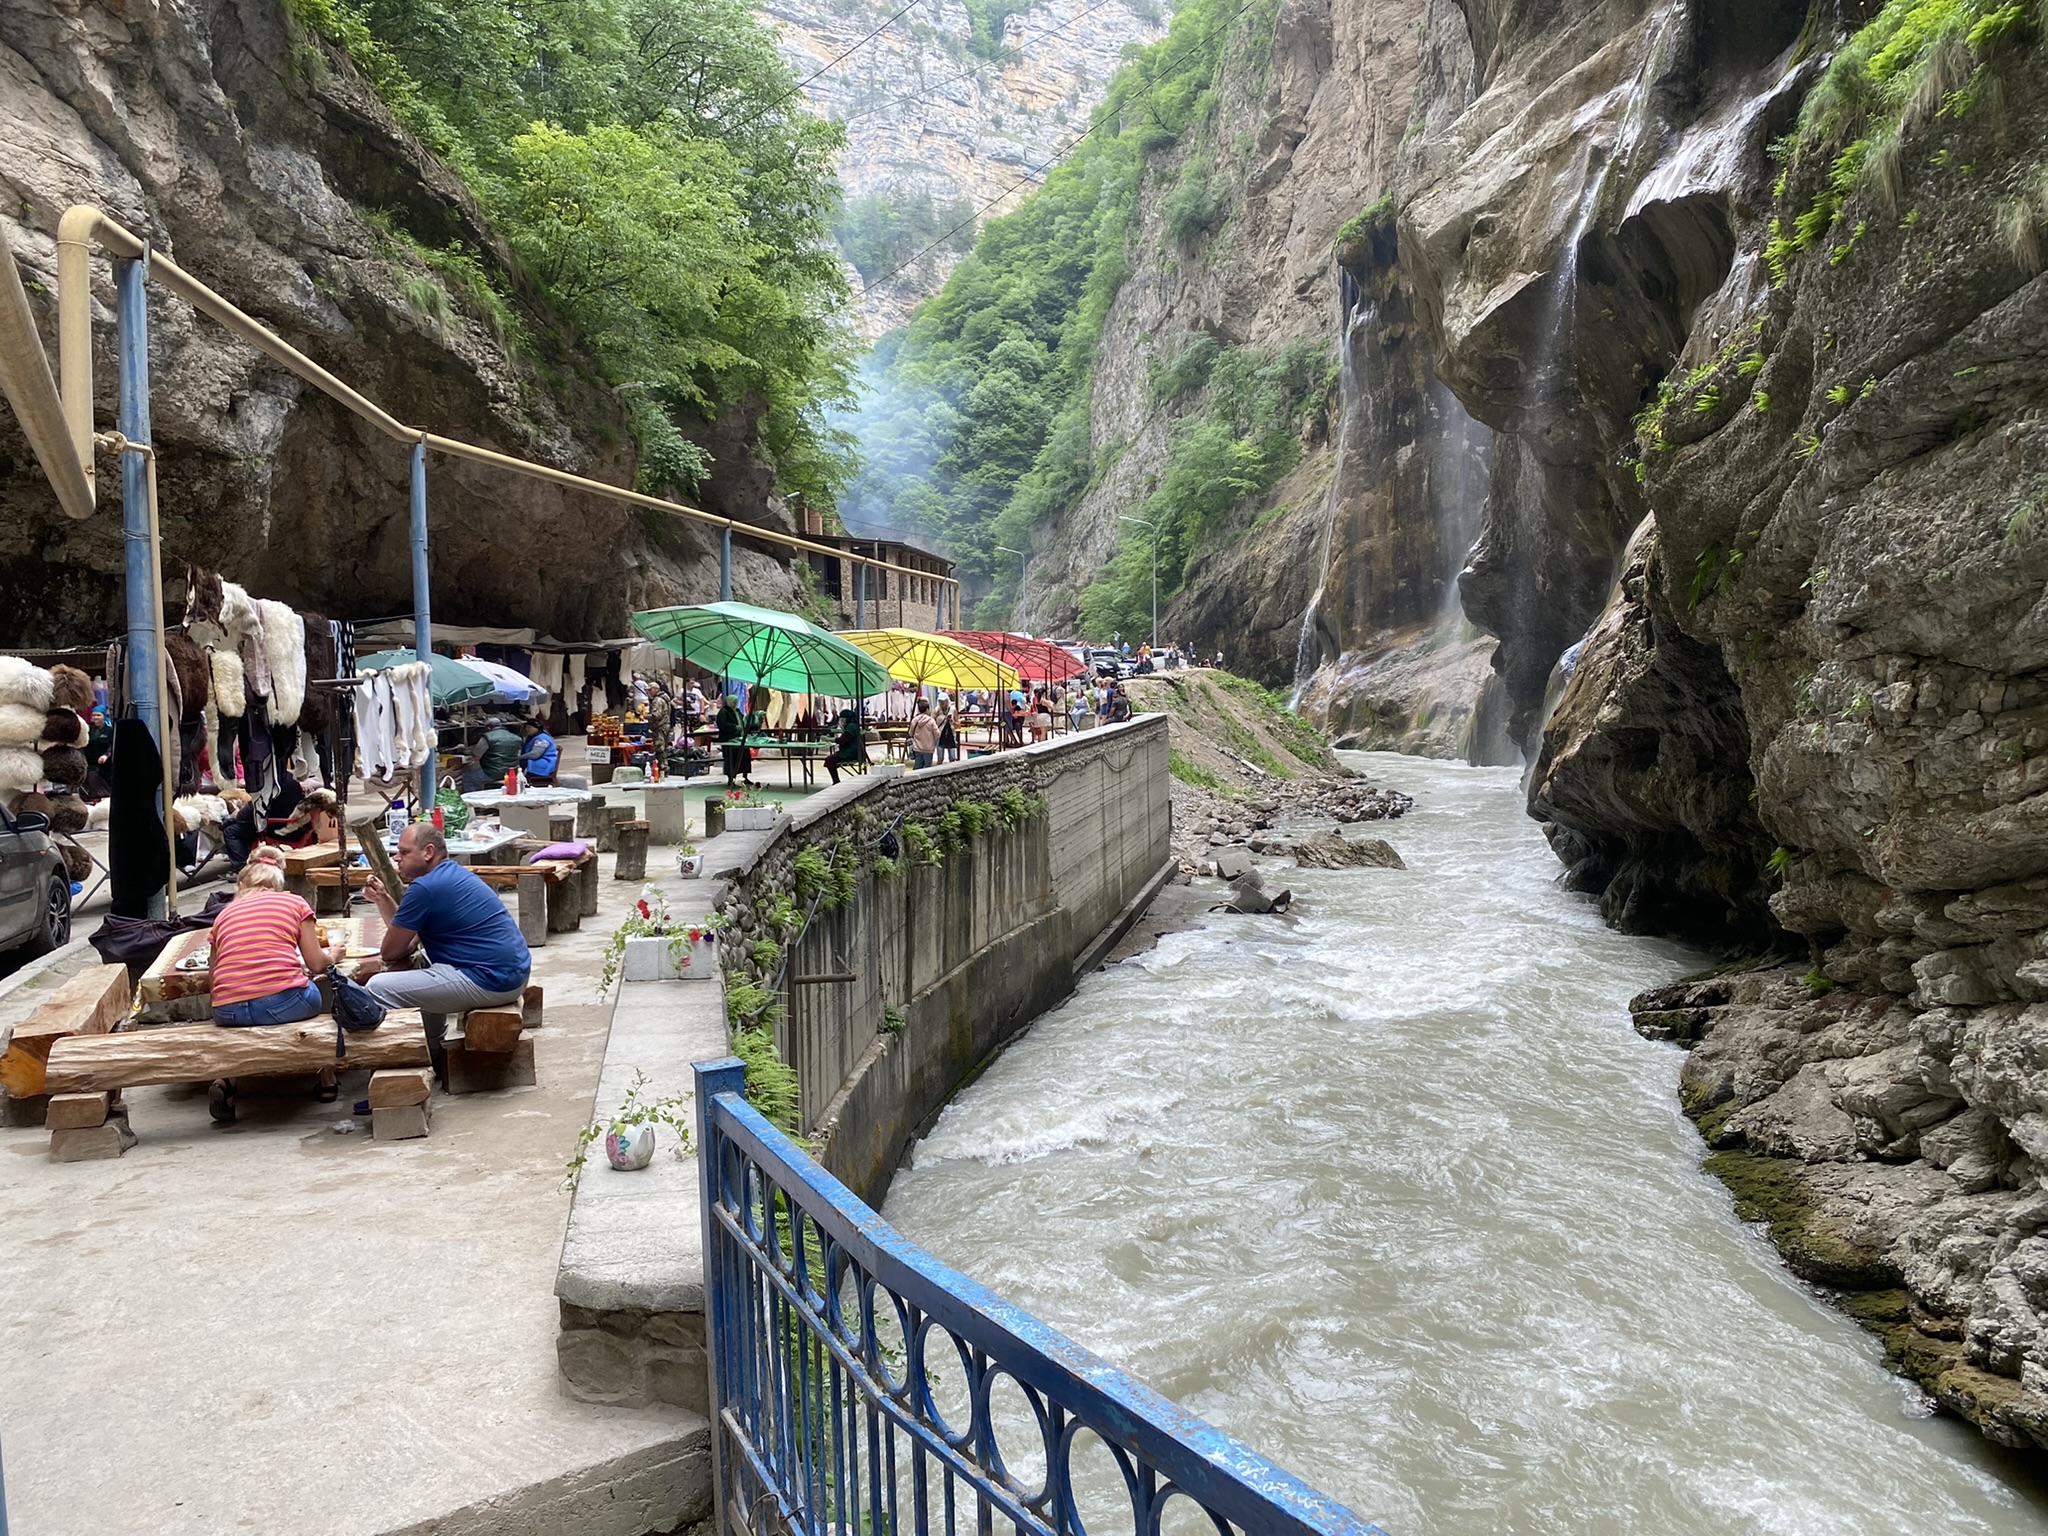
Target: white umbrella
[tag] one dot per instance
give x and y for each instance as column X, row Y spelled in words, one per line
column 506, row 683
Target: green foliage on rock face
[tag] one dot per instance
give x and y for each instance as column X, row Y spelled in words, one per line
column 976, row 427
column 648, row 162
column 1238, row 449
column 1914, row 61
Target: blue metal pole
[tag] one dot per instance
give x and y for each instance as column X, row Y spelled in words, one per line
column 728, row 1075
column 725, row 565
column 422, row 607
column 139, row 565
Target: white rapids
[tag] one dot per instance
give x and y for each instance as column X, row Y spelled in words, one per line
column 1391, row 1191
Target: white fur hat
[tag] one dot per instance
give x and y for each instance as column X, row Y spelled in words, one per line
column 21, row 725
column 20, row 769
column 23, row 682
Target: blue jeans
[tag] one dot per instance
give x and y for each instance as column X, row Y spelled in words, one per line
column 278, row 1008
column 920, row 759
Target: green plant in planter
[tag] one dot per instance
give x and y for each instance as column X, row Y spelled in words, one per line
column 650, row 918
column 670, row 1110
column 742, row 799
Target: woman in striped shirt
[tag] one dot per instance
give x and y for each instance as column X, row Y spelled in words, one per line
column 265, row 949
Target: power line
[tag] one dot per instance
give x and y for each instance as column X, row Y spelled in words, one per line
column 966, row 74
column 1039, row 173
column 798, row 89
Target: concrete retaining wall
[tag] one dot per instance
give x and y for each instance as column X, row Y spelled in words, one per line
column 967, row 951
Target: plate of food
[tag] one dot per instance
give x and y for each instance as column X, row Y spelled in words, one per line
column 361, row 951
column 198, row 960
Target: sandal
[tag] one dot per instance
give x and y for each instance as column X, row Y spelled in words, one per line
column 220, row 1101
column 328, row 1092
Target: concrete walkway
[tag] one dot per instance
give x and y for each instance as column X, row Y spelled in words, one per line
column 274, row 1327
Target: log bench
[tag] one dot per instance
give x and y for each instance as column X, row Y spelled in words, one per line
column 90, row 1003
column 86, row 1072
column 554, row 895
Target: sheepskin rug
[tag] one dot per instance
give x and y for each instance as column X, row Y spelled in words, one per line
column 284, row 648
column 22, row 682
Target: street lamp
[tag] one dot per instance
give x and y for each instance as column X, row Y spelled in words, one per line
column 1146, row 522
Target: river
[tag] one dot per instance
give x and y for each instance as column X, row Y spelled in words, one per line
column 1391, row 1191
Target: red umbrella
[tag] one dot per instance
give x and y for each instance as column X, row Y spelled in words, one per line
column 1038, row 660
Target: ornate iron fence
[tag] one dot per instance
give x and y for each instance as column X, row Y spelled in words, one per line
column 861, row 1388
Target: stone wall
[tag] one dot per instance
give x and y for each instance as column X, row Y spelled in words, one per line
column 965, row 952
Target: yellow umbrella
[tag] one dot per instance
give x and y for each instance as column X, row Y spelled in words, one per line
column 913, row 656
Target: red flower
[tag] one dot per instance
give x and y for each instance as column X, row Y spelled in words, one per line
column 645, row 911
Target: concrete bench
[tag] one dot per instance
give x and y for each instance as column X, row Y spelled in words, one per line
column 86, row 1073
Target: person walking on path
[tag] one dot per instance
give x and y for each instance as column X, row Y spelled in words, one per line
column 731, row 733
column 475, row 956
column 1119, row 705
column 924, row 735
column 949, row 735
column 266, row 951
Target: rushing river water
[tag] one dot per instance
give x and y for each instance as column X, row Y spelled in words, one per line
column 1391, row 1191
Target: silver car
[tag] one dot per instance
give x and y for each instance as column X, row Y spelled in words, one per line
column 35, row 887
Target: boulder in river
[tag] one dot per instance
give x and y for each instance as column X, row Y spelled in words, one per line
column 1250, row 893
column 1333, row 850
column 1232, row 860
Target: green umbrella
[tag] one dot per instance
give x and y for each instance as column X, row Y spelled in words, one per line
column 763, row 645
column 450, row 683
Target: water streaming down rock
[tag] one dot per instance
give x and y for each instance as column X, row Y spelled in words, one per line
column 1353, row 402
column 1393, row 1192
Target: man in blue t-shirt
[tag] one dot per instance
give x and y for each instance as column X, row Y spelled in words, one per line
column 540, row 755
column 475, row 956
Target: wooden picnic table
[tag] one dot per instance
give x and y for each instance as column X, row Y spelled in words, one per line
column 178, row 986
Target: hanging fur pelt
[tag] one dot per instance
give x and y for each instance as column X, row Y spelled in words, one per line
column 284, row 649
column 188, row 665
column 245, row 629
column 229, row 689
column 317, row 712
column 23, row 682
column 64, row 765
column 21, row 725
column 203, row 595
column 68, row 813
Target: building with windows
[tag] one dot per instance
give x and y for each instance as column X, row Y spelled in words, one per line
column 865, row 598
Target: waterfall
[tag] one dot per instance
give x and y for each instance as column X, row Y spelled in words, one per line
column 1352, row 401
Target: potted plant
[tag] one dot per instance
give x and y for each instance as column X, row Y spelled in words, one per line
column 746, row 811
column 629, row 1134
column 689, row 862
column 653, row 945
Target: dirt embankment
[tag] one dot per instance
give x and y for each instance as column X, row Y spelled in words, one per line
column 1241, row 762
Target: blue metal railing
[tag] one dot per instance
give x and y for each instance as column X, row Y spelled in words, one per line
column 855, row 1382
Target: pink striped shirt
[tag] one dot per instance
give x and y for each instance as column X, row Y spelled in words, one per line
column 256, row 947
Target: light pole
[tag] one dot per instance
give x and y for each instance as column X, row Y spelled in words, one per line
column 1147, row 523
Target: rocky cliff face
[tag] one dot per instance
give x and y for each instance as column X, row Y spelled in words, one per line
column 267, row 169
column 925, row 113
column 1768, row 474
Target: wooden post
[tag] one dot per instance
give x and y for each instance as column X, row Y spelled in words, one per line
column 565, row 902
column 615, row 816
column 561, row 826
column 714, row 817
column 493, row 1029
column 369, row 837
column 589, row 817
column 532, row 1004
column 588, row 871
column 632, row 861
column 533, row 907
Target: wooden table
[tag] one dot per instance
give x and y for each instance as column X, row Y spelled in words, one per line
column 171, row 993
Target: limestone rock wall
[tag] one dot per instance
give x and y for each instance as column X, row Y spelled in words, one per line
column 251, row 155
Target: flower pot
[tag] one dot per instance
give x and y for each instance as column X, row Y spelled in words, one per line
column 887, row 771
column 690, row 865
column 698, row 961
column 631, row 1148
column 661, row 957
column 751, row 818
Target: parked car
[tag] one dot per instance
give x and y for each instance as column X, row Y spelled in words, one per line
column 1106, row 662
column 35, row 887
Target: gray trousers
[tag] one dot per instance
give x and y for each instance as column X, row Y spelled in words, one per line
column 437, row 991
